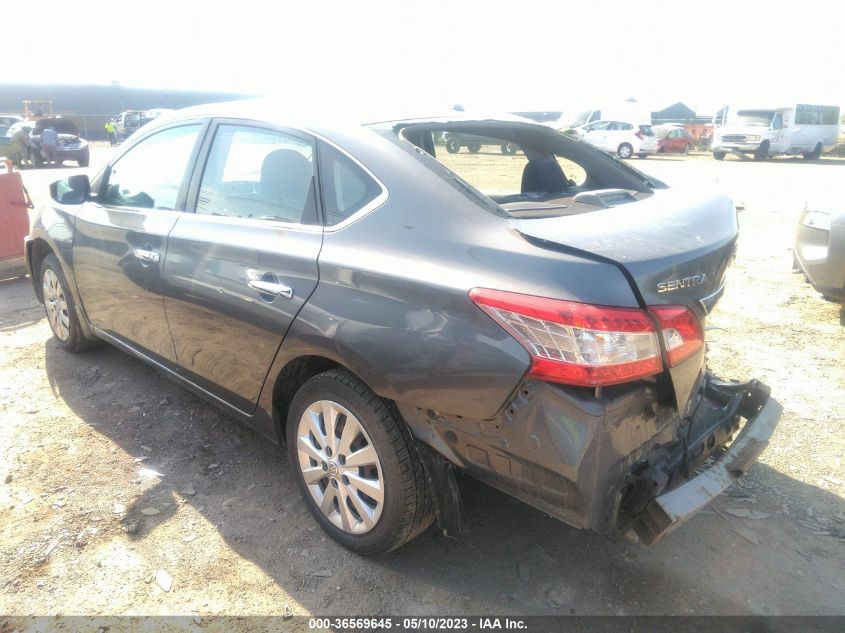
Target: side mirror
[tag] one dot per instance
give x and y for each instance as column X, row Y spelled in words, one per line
column 73, row 190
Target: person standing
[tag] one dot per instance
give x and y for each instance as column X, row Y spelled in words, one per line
column 21, row 141
column 49, row 143
column 110, row 131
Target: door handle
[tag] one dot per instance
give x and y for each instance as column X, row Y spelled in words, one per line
column 270, row 288
column 146, row 255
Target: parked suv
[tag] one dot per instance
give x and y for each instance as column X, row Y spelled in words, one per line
column 343, row 291
column 619, row 137
column 128, row 122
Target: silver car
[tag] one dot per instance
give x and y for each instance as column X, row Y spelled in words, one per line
column 820, row 250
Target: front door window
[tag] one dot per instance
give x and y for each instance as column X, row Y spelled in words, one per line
column 151, row 174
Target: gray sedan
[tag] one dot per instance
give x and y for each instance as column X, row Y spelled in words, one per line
column 820, row 250
column 394, row 313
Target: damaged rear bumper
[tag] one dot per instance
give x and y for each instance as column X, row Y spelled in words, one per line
column 667, row 511
column 618, row 463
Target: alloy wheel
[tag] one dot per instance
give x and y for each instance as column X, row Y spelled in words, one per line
column 340, row 467
column 55, row 304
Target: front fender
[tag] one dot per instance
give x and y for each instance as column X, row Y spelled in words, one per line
column 52, row 232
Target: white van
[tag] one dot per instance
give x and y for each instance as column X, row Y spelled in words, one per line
column 762, row 132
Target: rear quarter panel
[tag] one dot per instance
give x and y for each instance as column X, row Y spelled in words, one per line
column 392, row 303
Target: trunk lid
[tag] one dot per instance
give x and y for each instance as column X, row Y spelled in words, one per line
column 675, row 247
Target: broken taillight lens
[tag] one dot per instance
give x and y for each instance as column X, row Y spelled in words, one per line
column 576, row 343
column 589, row 345
column 682, row 335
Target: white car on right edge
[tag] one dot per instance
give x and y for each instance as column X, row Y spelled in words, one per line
column 618, row 137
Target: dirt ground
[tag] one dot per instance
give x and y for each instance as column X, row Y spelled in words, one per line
column 121, row 493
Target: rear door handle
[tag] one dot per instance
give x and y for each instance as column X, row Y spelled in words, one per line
column 271, row 288
column 146, row 255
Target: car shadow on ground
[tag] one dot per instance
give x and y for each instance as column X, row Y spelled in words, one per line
column 516, row 559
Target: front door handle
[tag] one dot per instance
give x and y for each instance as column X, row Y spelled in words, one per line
column 270, row 288
column 146, row 255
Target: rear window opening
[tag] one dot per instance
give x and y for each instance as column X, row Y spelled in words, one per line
column 528, row 171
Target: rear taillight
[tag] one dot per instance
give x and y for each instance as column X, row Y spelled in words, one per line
column 588, row 345
column 682, row 335
column 576, row 343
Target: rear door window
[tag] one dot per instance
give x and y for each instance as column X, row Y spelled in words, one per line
column 258, row 173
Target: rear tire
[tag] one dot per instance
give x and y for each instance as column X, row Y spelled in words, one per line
column 60, row 307
column 686, row 150
column 815, row 154
column 453, row 146
column 719, row 155
column 400, row 508
column 625, row 150
column 509, row 149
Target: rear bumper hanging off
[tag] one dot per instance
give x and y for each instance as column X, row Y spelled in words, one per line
column 665, row 512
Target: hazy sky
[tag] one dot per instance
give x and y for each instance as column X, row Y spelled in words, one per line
column 515, row 55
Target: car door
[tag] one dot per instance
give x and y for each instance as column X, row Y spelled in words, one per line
column 120, row 239
column 595, row 133
column 615, row 135
column 241, row 266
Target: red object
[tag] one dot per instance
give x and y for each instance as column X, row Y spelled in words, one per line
column 545, row 327
column 676, row 141
column 685, row 323
column 612, row 322
column 14, row 216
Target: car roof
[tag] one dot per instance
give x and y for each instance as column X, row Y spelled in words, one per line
column 311, row 117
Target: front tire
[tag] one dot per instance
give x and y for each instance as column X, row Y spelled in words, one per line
column 60, row 307
column 474, row 148
column 625, row 150
column 355, row 464
column 719, row 155
column 509, row 149
column 84, row 158
column 762, row 152
column 686, row 150
column 453, row 146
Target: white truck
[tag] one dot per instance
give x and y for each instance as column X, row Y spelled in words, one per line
column 803, row 128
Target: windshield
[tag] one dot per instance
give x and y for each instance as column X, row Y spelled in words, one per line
column 754, row 118
column 132, row 119
column 582, row 117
